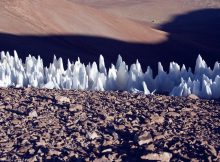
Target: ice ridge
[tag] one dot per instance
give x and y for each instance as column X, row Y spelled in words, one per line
column 178, row 81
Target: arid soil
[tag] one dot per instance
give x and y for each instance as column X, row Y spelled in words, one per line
column 61, row 125
column 151, row 12
column 62, row 17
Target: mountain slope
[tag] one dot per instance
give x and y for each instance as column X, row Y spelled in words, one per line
column 153, row 12
column 64, row 17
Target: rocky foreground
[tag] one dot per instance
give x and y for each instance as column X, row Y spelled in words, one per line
column 55, row 125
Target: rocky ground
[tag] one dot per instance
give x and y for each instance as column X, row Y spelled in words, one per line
column 55, row 125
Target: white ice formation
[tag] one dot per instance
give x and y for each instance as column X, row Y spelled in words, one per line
column 179, row 81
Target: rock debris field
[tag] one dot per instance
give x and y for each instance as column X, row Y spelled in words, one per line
column 70, row 125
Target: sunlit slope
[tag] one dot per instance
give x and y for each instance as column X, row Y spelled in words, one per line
column 64, row 17
column 153, row 12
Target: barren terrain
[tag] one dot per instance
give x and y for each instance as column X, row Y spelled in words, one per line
column 60, row 125
column 65, row 18
column 72, row 125
column 152, row 12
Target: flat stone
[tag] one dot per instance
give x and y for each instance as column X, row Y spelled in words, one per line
column 108, row 143
column 121, row 127
column 145, row 138
column 54, row 152
column 3, row 159
column 23, row 150
column 93, row 135
column 77, row 107
column 16, row 121
column 187, row 109
column 33, row 114
column 171, row 109
column 33, row 159
column 107, row 150
column 2, row 106
column 102, row 159
column 157, row 119
column 173, row 114
column 159, row 137
column 31, row 151
column 110, row 118
column 62, row 99
column 150, row 147
column 212, row 150
column 41, row 143
column 164, row 156
column 193, row 96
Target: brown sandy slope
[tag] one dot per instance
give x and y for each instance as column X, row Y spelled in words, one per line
column 64, row 17
column 154, row 12
column 178, row 14
column 57, row 125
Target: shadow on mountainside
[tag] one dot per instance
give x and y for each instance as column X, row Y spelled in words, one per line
column 201, row 27
column 194, row 33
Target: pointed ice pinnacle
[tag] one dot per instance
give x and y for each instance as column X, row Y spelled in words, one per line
column 204, row 83
column 146, row 91
column 102, row 65
column 160, row 68
column 122, row 77
column 119, row 61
